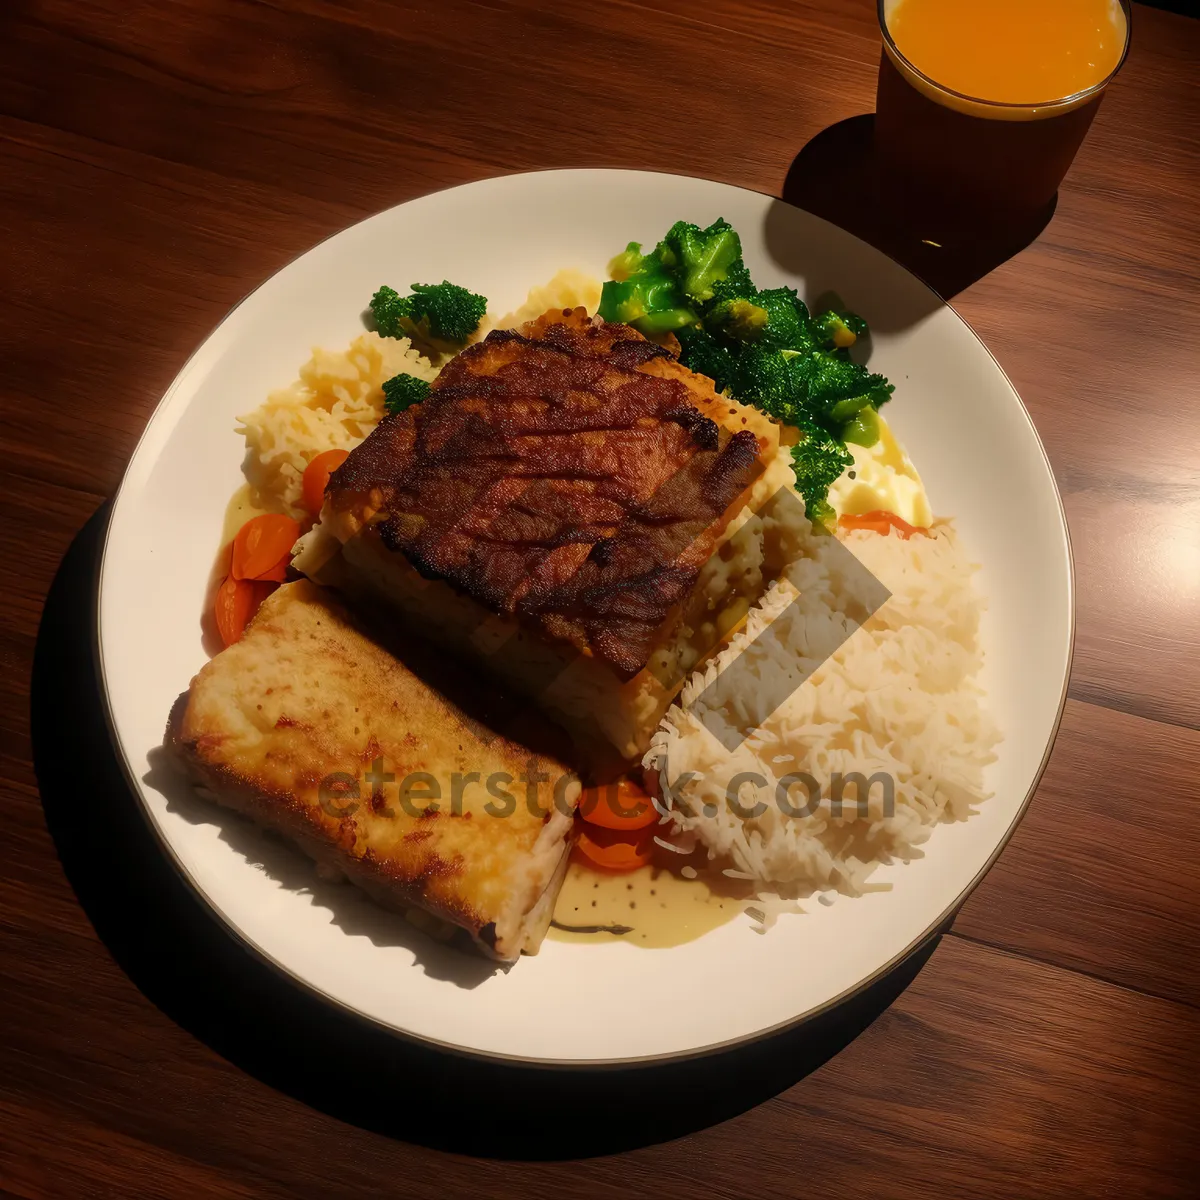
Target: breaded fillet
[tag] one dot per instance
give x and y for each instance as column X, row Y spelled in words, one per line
column 405, row 776
column 570, row 480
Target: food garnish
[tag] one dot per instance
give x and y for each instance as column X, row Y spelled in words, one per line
column 401, row 391
column 879, row 522
column 433, row 312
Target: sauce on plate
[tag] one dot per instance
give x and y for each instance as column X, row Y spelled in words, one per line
column 652, row 906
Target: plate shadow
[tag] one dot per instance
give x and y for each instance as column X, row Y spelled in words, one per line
column 245, row 1010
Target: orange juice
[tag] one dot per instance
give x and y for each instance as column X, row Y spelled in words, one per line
column 983, row 104
column 1014, row 51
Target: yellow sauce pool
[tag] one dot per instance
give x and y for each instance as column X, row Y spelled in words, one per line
column 654, row 907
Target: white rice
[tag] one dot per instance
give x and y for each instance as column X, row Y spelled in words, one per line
column 898, row 696
column 335, row 403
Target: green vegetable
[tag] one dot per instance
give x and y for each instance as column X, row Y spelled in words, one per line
column 441, row 312
column 704, row 354
column 627, row 263
column 839, row 330
column 761, row 347
column 665, row 290
column 740, row 319
column 401, row 391
column 863, row 428
column 389, row 309
column 818, row 460
column 649, row 301
column 700, row 258
column 737, row 285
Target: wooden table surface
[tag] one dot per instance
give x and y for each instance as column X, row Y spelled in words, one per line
column 158, row 160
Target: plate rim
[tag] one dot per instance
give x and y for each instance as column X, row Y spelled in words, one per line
column 934, row 929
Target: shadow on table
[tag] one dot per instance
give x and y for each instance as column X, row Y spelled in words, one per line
column 171, row 946
column 836, row 176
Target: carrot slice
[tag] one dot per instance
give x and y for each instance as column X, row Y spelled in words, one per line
column 615, row 851
column 621, row 805
column 316, row 478
column 880, row 522
column 233, row 607
column 277, row 573
column 852, row 524
column 261, row 543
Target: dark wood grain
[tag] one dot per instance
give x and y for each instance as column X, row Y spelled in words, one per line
column 157, row 161
column 1103, row 873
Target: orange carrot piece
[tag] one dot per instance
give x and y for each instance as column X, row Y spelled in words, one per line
column 233, row 607
column 277, row 573
column 316, row 478
column 621, row 805
column 880, row 522
column 261, row 543
column 615, row 851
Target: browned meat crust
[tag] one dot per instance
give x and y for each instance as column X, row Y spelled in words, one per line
column 567, row 475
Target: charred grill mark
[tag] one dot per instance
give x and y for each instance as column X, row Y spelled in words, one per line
column 550, row 479
column 602, row 551
column 704, row 430
column 736, row 462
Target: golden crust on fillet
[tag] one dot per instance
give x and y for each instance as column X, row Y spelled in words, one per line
column 569, row 474
column 300, row 723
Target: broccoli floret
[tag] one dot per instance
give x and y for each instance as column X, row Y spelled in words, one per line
column 788, row 323
column 628, row 262
column 818, row 460
column 702, row 353
column 700, row 258
column 762, row 348
column 771, row 381
column 839, row 330
column 389, row 309
column 649, row 301
column 402, row 391
column 438, row 312
column 663, row 291
column 737, row 285
column 833, row 380
column 740, row 319
column 776, row 317
column 452, row 312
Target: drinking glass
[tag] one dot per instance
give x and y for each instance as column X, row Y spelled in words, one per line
column 955, row 160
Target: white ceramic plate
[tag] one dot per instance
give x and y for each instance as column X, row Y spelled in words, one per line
column 959, row 417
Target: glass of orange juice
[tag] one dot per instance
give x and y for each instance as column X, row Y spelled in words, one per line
column 982, row 104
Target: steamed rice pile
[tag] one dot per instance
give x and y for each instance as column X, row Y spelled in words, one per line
column 898, row 696
column 335, row 403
